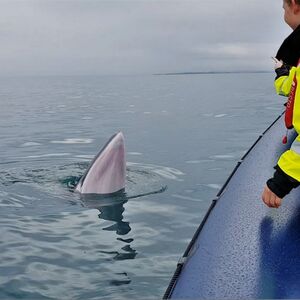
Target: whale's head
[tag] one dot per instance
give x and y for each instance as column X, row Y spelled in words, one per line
column 107, row 172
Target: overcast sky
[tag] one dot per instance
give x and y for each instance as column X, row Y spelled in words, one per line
column 81, row 37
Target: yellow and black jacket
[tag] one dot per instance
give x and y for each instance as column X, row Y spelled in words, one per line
column 287, row 174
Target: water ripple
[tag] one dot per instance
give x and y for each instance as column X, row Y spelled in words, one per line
column 163, row 171
column 73, row 141
column 52, row 188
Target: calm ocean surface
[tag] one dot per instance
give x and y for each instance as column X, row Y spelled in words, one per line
column 185, row 133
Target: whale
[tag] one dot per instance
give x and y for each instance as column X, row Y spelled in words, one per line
column 106, row 173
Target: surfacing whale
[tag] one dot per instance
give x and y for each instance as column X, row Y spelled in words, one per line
column 107, row 171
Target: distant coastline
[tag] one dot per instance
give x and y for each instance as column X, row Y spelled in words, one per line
column 213, row 72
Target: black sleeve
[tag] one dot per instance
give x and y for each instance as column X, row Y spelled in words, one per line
column 281, row 184
column 284, row 70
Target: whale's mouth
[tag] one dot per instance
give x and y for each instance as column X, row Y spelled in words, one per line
column 107, row 172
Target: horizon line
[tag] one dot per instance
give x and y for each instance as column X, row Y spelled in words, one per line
column 215, row 72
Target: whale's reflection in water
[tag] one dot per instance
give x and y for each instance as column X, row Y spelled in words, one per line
column 111, row 208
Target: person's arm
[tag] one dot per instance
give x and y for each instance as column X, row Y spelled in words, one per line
column 280, row 184
column 278, row 187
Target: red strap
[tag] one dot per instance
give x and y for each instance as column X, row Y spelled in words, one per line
column 290, row 103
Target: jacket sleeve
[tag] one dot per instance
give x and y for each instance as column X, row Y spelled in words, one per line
column 281, row 184
column 284, row 80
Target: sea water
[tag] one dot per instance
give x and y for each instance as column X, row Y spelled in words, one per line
column 184, row 134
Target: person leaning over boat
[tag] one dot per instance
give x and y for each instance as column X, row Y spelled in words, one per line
column 287, row 68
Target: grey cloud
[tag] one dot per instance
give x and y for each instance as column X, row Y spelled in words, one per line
column 146, row 36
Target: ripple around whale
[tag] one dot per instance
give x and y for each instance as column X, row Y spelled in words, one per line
column 53, row 186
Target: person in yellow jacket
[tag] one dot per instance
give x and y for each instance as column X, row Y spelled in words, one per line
column 287, row 68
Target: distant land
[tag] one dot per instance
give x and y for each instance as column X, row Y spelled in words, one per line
column 213, row 72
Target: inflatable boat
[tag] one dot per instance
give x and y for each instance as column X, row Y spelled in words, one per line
column 243, row 249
